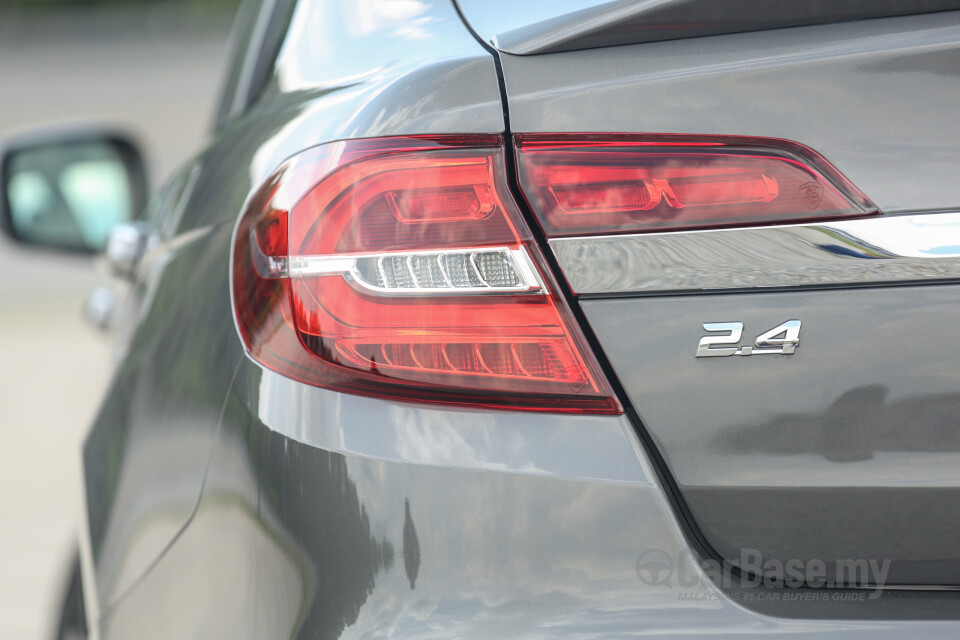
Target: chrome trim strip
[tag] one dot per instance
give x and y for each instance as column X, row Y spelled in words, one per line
column 301, row 266
column 882, row 249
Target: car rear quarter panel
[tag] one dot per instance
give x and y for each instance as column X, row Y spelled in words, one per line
column 340, row 74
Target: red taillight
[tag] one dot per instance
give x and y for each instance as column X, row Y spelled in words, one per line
column 590, row 184
column 401, row 268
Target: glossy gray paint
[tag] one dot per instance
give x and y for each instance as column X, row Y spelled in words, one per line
column 147, row 453
column 846, row 449
column 533, row 26
column 849, row 91
column 227, row 502
column 331, row 516
column 842, row 449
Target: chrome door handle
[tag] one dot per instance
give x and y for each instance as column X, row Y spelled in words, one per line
column 127, row 243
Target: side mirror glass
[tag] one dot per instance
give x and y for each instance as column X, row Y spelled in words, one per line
column 68, row 191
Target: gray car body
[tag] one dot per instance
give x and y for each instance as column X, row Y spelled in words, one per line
column 224, row 500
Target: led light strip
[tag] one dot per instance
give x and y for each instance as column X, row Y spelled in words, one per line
column 414, row 272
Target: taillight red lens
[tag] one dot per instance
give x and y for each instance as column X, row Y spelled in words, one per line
column 590, row 183
column 401, row 268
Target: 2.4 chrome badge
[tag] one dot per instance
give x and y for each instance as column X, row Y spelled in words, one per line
column 782, row 340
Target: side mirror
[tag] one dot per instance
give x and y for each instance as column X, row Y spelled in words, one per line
column 67, row 190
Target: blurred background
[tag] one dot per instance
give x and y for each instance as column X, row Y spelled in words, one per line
column 154, row 69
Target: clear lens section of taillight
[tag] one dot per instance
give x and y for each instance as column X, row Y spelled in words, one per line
column 401, row 268
column 580, row 184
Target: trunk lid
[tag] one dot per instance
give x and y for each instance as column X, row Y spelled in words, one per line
column 849, row 448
